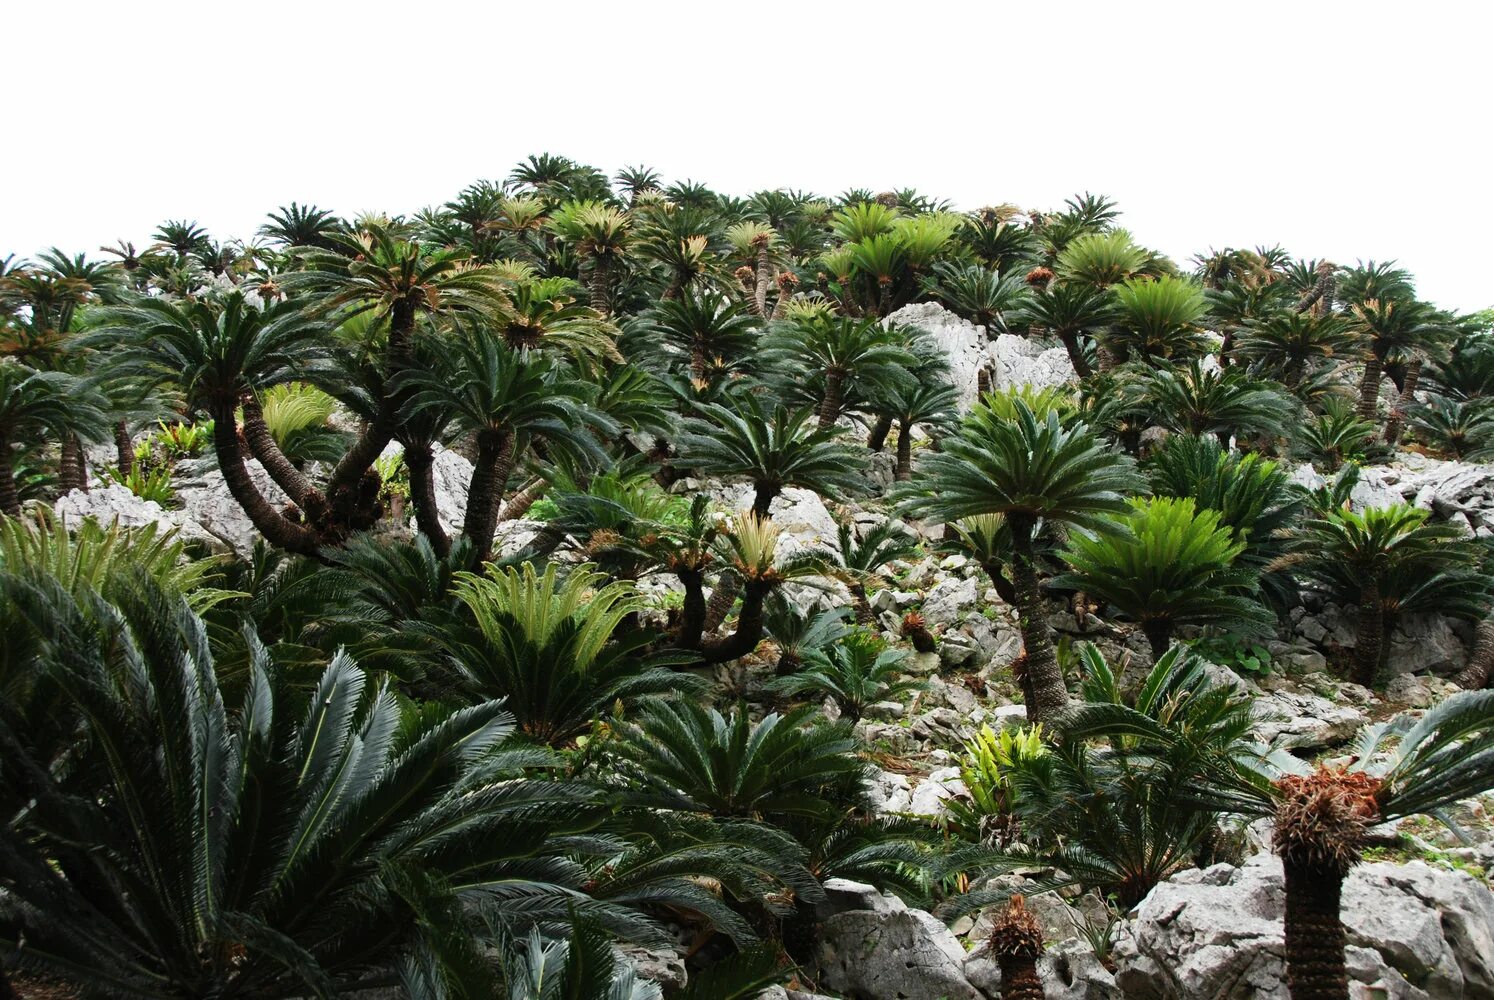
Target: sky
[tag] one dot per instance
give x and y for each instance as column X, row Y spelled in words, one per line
column 1344, row 131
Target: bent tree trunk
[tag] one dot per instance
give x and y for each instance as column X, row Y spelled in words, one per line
column 1407, row 398
column 518, row 505
column 278, row 530
column 1044, row 678
column 1070, row 341
column 876, row 438
column 1369, row 642
column 263, row 447
column 1315, row 937
column 1480, row 668
column 749, row 627
column 1369, row 387
column 495, row 460
column 722, row 599
column 420, row 461
column 692, row 615
column 763, row 497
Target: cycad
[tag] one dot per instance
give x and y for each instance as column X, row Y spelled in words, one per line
column 600, row 235
column 1074, row 312
column 1335, row 436
column 1462, row 428
column 701, row 327
column 844, row 357
column 855, row 672
column 546, row 647
column 1027, row 469
column 1289, row 343
column 1225, row 402
column 978, row 294
column 34, row 404
column 1158, row 320
column 1101, row 260
column 863, row 558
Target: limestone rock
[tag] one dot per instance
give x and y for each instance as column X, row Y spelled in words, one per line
column 903, row 954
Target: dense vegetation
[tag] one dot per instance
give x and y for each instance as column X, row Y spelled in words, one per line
column 393, row 746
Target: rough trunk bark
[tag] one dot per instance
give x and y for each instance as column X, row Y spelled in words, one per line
column 1004, row 589
column 763, row 280
column 1370, row 635
column 693, row 613
column 1158, row 632
column 518, row 505
column 903, row 472
column 830, row 405
column 124, row 448
column 1480, row 668
column 1019, row 978
column 749, row 627
column 1315, row 937
column 876, row 438
column 762, row 499
column 862, row 603
column 722, row 598
column 277, row 529
column 1070, row 341
column 495, row 460
column 263, row 447
column 698, row 362
column 600, row 285
column 1407, row 398
column 10, row 496
column 1045, row 678
column 420, row 461
column 1369, row 387
column 69, row 467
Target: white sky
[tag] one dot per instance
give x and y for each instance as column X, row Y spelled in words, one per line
column 1340, row 130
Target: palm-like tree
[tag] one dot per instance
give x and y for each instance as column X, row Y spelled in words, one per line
column 545, row 314
column 1392, row 330
column 773, row 449
column 862, row 559
column 1101, row 260
column 600, row 235
column 1168, row 564
column 1287, row 344
column 1028, row 470
column 1158, row 319
column 218, row 357
column 1464, row 428
column 855, row 672
column 35, row 404
column 1225, row 402
column 509, row 400
column 302, row 226
column 702, row 327
column 841, row 355
column 931, row 404
column 982, row 296
column 1072, row 311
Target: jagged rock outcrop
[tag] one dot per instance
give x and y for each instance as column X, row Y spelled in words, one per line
column 1011, row 360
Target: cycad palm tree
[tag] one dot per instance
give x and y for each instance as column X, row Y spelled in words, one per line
column 1072, row 311
column 1027, row 470
column 773, row 449
column 863, row 558
column 600, row 234
column 546, row 316
column 702, row 327
column 1225, row 402
column 1158, row 319
column 34, row 404
column 982, row 296
column 1288, row 343
column 855, row 672
column 842, row 356
column 1392, row 329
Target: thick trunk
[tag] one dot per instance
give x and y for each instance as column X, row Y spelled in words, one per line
column 1004, row 589
column 1369, row 641
column 830, row 405
column 876, row 438
column 693, row 613
column 1071, row 344
column 1406, row 398
column 263, row 447
column 1480, row 668
column 1044, row 676
column 70, row 467
column 10, row 497
column 277, row 529
column 1105, row 356
column 1019, row 978
column 698, row 361
column 749, row 628
column 1315, row 937
column 1158, row 632
column 124, row 448
column 359, row 457
column 764, row 278
column 495, row 460
column 376, row 435
column 862, row 603
column 1226, row 345
column 420, row 462
column 600, row 284
column 722, row 598
column 1292, row 376
column 518, row 505
column 1369, row 387
column 762, row 499
column 904, row 469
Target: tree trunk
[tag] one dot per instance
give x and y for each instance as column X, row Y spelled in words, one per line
column 1050, row 696
column 1315, row 937
column 124, row 448
column 1480, row 667
column 1370, row 635
column 1070, row 341
column 263, row 447
column 1158, row 632
column 903, row 471
column 1002, row 585
column 495, row 460
column 749, row 627
column 1019, row 978
column 420, row 462
column 876, row 438
column 698, row 361
column 693, row 614
column 600, row 285
column 1105, row 356
column 722, row 598
column 1226, row 344
column 518, row 505
column 10, row 497
column 764, row 278
column 275, row 526
column 862, row 603
column 1407, row 398
column 70, row 466
column 830, row 405
column 1369, row 387
column 762, row 499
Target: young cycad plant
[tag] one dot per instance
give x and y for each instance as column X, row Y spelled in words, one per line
column 1225, row 402
column 798, row 633
column 987, row 539
column 1167, row 564
column 856, row 671
column 1158, row 320
column 545, row 315
column 863, row 558
column 978, row 294
column 1101, row 260
column 771, row 448
column 1028, row 469
column 547, row 647
column 1335, row 436
column 1462, row 428
column 1017, row 943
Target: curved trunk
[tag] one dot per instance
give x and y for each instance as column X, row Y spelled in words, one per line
column 518, row 505
column 495, row 460
column 600, row 285
column 722, row 598
column 1480, row 668
column 1004, row 589
column 762, row 499
column 359, row 457
column 1369, row 640
column 70, row 466
column 1315, row 937
column 1407, row 398
column 10, row 497
column 1158, row 632
column 692, row 617
column 263, row 447
column 124, row 448
column 1019, row 978
column 763, row 279
column 1070, row 341
column 749, row 627
column 876, row 438
column 1369, row 387
column 830, row 405
column 1044, row 678
column 420, row 461
column 864, row 615
column 275, row 526
column 903, row 471
column 1226, row 344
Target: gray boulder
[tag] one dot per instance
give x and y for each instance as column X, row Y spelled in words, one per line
column 894, row 954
